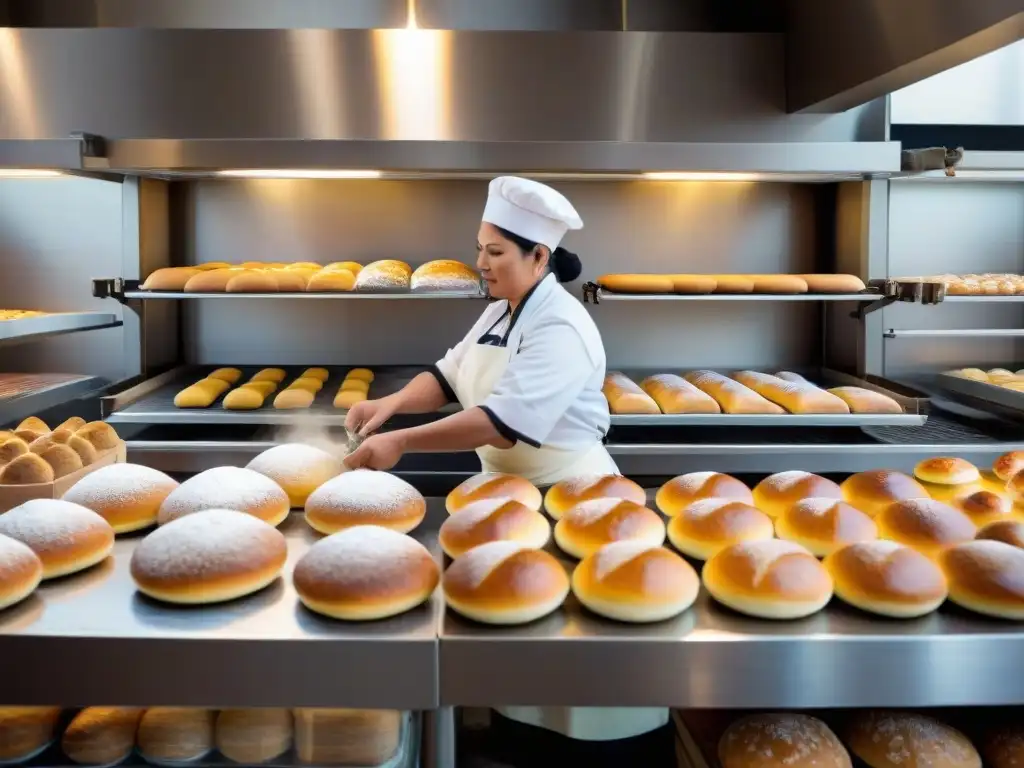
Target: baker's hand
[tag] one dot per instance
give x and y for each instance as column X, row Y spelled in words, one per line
column 366, row 417
column 377, row 452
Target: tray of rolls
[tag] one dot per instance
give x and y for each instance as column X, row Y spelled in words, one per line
column 734, row 285
column 1003, row 386
column 757, row 398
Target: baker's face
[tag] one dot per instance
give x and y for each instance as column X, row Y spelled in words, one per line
column 508, row 272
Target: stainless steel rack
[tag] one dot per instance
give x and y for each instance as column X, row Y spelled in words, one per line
column 23, row 395
column 982, row 391
column 43, row 326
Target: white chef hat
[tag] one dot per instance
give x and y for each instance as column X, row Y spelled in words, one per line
column 531, row 210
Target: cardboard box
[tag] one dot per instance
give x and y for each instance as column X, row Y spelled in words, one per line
column 12, row 496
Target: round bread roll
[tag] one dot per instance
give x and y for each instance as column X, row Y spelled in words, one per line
column 984, row 507
column 873, row 491
column 1004, row 747
column 275, row 375
column 21, row 570
column 227, row 488
column 169, row 279
column 293, row 399
column 383, row 276
column 339, row 737
column 1008, row 465
column 925, row 524
column 887, row 578
column 346, row 398
column 331, row 280
column 101, row 735
column 505, row 582
column 175, row 734
column 493, row 485
column 445, row 275
column 1007, row 531
column 986, row 577
column 320, row 374
column 784, row 740
column 40, row 444
column 290, row 280
column 252, row 281
column 66, row 537
column 564, row 495
column 590, row 525
column 208, row 557
column 34, row 424
column 28, row 435
column 100, row 434
column 128, row 496
column 824, row 525
column 884, row 739
column 768, row 579
column 85, row 450
column 351, row 266
column 365, row 497
column 946, row 470
column 708, row 525
column 365, row 573
column 680, row 492
column 253, row 736
column 299, row 469
column 26, row 731
column 635, row 581
column 27, row 469
column 1015, row 487
column 11, row 449
column 777, row 493
column 364, row 374
column 499, row 519
column 62, row 459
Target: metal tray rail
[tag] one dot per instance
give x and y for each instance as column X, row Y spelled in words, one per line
column 28, row 394
column 982, row 392
column 44, row 326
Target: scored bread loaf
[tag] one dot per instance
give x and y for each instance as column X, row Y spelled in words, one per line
column 384, row 276
column 674, row 394
column 445, row 275
column 625, row 396
column 732, row 396
column 862, row 400
column 794, row 396
column 833, row 283
column 637, row 283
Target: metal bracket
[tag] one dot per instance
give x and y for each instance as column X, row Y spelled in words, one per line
column 867, row 307
column 109, row 288
column 590, row 293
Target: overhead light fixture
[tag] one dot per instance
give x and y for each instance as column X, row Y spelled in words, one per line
column 699, row 176
column 298, row 173
column 27, row 173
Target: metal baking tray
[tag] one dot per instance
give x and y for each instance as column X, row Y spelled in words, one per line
column 983, row 391
column 27, row 394
column 43, row 326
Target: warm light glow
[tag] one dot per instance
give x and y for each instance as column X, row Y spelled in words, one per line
column 410, row 13
column 412, row 68
column 298, row 173
column 27, row 173
column 698, row 176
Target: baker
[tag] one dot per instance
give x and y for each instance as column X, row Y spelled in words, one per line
column 528, row 376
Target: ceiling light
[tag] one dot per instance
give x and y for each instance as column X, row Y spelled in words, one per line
column 298, row 173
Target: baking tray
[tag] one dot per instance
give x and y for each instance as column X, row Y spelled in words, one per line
column 983, row 391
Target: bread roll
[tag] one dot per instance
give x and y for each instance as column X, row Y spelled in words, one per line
column 347, row 398
column 363, row 374
column 1003, row 747
column 211, row 280
column 264, row 388
column 624, row 396
column 308, row 384
column 984, row 507
column 945, row 470
column 732, row 396
column 445, row 275
column 72, row 424
column 230, row 375
column 1008, row 465
column 27, row 469
column 637, row 283
column 175, row 734
column 493, row 485
column 347, row 736
column 12, row 449
column 350, row 266
column 674, row 394
column 40, row 444
column 734, row 284
column 823, row 526
column 885, row 739
column 275, row 375
column 1007, row 531
column 331, row 281
column 208, row 557
column 860, row 400
column 62, row 459
column 299, row 469
column 320, row 374
column 291, row 280
column 365, row 497
column 680, row 492
column 693, row 284
column 709, row 525
column 28, row 435
column 100, row 434
column 85, row 450
column 21, row 570
column 769, row 579
column 169, row 279
column 66, row 537
column 384, row 276
column 227, row 488
column 365, row 573
column 356, row 385
column 777, row 493
column 794, row 396
column 293, row 399
column 1015, row 487
column 253, row 736
column 26, row 731
column 590, row 525
column 782, row 284
column 784, row 740
column 566, row 494
column 925, row 524
column 210, row 265
column 833, row 283
column 887, row 578
column 495, row 519
column 245, row 398
column 128, row 496
column 194, row 397
column 986, row 577
column 874, row 490
column 35, row 424
column 252, row 281
column 101, row 735
column 635, row 581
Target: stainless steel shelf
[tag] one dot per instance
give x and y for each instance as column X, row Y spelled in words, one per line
column 983, row 299
column 982, row 391
column 767, row 420
column 603, row 295
column 181, row 296
column 30, row 328
column 23, row 395
column 955, row 333
column 975, row 167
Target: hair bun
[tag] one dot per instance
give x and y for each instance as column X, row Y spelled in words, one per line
column 566, row 265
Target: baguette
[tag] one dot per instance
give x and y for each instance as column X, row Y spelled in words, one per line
column 624, row 396
column 863, row 400
column 734, row 284
column 693, row 283
column 833, row 283
column 674, row 394
column 637, row 283
column 782, row 284
column 794, row 396
column 732, row 396
column 170, row 279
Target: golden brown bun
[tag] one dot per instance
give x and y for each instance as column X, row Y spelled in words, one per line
column 925, row 524
column 28, row 435
column 946, row 470
column 1015, row 487
column 984, row 507
column 85, row 450
column 884, row 739
column 304, row 265
column 590, row 525
column 352, row 266
column 26, row 731
column 708, row 525
column 101, row 735
column 253, row 735
column 293, row 399
column 128, row 496
column 331, row 280
column 674, row 394
column 625, row 396
column 27, row 469
column 833, row 283
column 784, row 740
column 252, row 281
column 227, row 488
column 495, row 519
column 230, row 375
column 35, row 424
column 364, row 374
column 100, row 434
column 346, row 398
column 986, row 577
column 794, row 396
column 208, row 557
column 635, row 581
column 445, row 275
column 680, row 492
column 246, row 398
column 66, row 537
column 693, row 284
column 175, row 734
column 1004, row 747
column 308, row 383
column 823, row 526
column 732, row 396
column 493, row 485
column 275, row 375
column 1008, row 465
column 347, row 736
column 734, row 284
column 386, row 275
column 210, row 265
column 5, row 435
column 195, row 396
column 21, row 570
column 365, row 573
column 876, row 489
column 862, row 400
column 1007, row 531
column 887, row 578
column 62, row 459
column 263, row 387
column 216, row 387
column 320, row 374
column 299, row 469
column 637, row 283
column 212, row 280
column 12, row 449
column 290, row 280
column 564, row 495
column 365, row 497
column 356, row 385
column 62, row 436
column 779, row 284
column 769, row 579
column 777, row 493
column 169, row 279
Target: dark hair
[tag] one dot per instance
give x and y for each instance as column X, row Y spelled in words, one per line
column 566, row 265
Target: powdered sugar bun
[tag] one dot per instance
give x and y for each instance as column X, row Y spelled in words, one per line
column 384, row 276
column 887, row 578
column 208, row 557
column 925, row 524
column 494, row 485
column 493, row 520
column 680, row 492
column 365, row 497
column 365, row 573
column 66, row 537
column 1008, row 465
column 783, row 740
column 128, row 496
column 709, row 525
column 566, row 494
column 1007, row 531
column 874, row 490
column 984, row 507
column 21, row 570
column 299, row 469
column 504, row 582
column 986, row 577
column 885, row 739
column 227, row 488
column 824, row 525
column 777, row 493
column 590, row 525
column 445, row 275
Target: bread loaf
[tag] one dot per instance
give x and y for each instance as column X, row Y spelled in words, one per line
column 230, row 375
column 169, row 279
column 242, row 490
column 823, row 526
column 795, row 397
column 101, row 735
column 290, row 280
column 212, row 280
column 884, row 739
column 779, row 492
column 709, row 525
column 365, row 497
column 860, row 400
column 637, row 283
column 730, row 395
column 887, row 578
column 320, row 374
column 307, row 383
column 674, row 394
column 275, row 375
column 364, row 374
column 833, row 283
column 294, row 399
column 445, row 275
column 384, row 276
column 680, row 492
column 264, row 388
column 349, row 266
column 624, row 396
column 175, row 734
column 781, row 284
column 26, row 731
column 785, row 740
column 252, row 281
column 245, row 398
column 693, row 284
column 346, row 398
column 347, row 737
